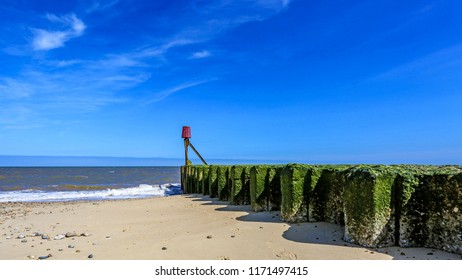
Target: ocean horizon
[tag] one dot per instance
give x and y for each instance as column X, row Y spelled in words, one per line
column 106, row 161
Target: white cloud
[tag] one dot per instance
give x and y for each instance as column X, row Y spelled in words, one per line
column 13, row 89
column 201, row 54
column 70, row 25
column 101, row 6
column 159, row 96
column 159, row 51
column 431, row 65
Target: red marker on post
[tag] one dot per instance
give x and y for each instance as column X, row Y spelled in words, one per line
column 186, row 135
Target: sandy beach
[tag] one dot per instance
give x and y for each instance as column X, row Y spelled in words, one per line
column 183, row 227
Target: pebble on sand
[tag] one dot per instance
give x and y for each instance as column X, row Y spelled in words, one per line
column 59, row 237
column 70, row 234
column 45, row 257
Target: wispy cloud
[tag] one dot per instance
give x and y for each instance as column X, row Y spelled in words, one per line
column 101, row 5
column 159, row 51
column 52, row 86
column 161, row 95
column 201, row 54
column 429, row 65
column 14, row 89
column 70, row 27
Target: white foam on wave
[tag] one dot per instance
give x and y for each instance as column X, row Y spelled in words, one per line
column 141, row 191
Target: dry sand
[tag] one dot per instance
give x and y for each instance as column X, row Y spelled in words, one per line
column 185, row 227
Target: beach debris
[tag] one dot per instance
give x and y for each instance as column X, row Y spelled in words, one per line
column 45, row 257
column 59, row 237
column 90, row 256
column 21, row 236
column 70, row 234
column 31, row 257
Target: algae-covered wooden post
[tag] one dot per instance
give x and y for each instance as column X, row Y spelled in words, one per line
column 186, row 135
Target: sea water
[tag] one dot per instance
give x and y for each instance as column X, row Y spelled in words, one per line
column 48, row 184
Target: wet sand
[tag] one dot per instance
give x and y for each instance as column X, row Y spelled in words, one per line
column 184, row 227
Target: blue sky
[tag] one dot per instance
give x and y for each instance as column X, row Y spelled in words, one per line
column 271, row 80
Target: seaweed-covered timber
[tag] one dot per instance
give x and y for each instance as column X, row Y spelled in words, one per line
column 378, row 205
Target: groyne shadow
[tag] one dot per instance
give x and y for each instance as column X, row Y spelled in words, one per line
column 320, row 233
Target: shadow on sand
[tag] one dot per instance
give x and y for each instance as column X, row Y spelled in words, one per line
column 321, row 233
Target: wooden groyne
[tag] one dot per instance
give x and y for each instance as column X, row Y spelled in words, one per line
column 378, row 205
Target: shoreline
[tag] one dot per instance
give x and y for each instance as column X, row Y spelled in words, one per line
column 180, row 227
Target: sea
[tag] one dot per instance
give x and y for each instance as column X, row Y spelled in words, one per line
column 53, row 184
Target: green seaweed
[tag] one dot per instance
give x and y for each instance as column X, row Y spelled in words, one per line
column 293, row 194
column 213, row 183
column 224, row 182
column 240, row 185
column 367, row 205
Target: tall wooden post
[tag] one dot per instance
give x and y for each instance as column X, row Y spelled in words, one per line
column 186, row 144
column 186, row 134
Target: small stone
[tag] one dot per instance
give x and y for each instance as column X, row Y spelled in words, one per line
column 45, row 236
column 24, row 241
column 60, row 250
column 21, row 236
column 8, row 237
column 94, row 243
column 31, row 257
column 403, row 254
column 430, row 254
column 45, row 257
column 85, row 234
column 90, row 256
column 37, row 234
column 60, row 237
column 209, row 237
column 70, row 234
column 164, row 248
column 71, row 246
column 108, row 237
column 77, row 251
column 455, row 210
column 233, row 236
